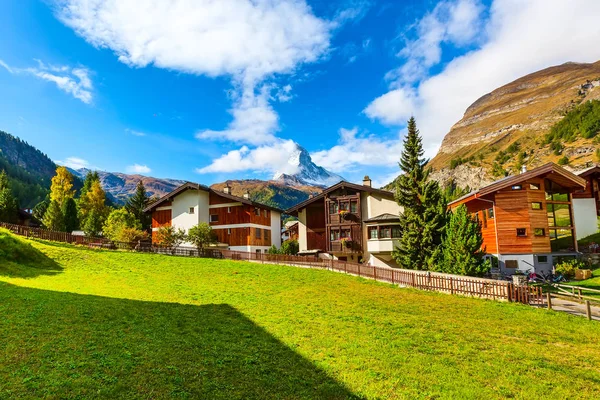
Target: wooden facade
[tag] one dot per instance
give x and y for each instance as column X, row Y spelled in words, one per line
column 235, row 221
column 343, row 221
column 527, row 215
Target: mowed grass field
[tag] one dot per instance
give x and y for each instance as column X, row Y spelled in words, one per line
column 79, row 323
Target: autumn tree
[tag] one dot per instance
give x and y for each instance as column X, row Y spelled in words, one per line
column 62, row 186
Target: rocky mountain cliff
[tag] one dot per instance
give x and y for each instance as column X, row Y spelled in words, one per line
column 507, row 128
column 119, row 187
column 307, row 172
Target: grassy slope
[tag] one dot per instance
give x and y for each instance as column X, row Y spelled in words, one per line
column 116, row 325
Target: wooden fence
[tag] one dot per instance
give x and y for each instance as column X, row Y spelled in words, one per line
column 424, row 280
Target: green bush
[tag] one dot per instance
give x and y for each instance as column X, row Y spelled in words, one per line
column 563, row 160
column 569, row 267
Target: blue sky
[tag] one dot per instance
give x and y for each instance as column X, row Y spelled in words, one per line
column 207, row 91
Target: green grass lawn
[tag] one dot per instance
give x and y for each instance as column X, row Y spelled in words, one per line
column 78, row 323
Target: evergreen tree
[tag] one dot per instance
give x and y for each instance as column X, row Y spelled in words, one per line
column 84, row 209
column 137, row 203
column 424, row 208
column 462, row 250
column 69, row 210
column 92, row 226
column 40, row 208
column 54, row 219
column 8, row 204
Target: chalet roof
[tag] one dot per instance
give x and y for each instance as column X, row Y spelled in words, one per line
column 339, row 185
column 197, row 186
column 595, row 169
column 384, row 218
column 564, row 178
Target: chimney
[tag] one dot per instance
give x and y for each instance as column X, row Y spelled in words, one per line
column 247, row 194
column 310, row 196
column 227, row 188
column 523, row 169
column 367, row 181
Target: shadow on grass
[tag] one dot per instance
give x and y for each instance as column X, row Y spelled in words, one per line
column 19, row 259
column 68, row 345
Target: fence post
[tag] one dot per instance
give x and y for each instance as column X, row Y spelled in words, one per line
column 393, row 276
column 451, row 285
column 413, row 279
column 549, row 300
column 588, row 310
column 579, row 293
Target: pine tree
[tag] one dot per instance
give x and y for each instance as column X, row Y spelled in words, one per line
column 8, row 204
column 137, row 203
column 54, row 219
column 82, row 203
column 424, row 212
column 69, row 210
column 462, row 250
column 92, row 225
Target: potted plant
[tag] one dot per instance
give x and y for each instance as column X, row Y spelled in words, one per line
column 346, row 242
column 345, row 214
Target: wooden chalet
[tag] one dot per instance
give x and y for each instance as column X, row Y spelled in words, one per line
column 527, row 219
column 334, row 222
column 238, row 222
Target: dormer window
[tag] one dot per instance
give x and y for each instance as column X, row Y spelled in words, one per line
column 516, row 187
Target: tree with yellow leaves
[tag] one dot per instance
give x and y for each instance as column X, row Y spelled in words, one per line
column 62, row 186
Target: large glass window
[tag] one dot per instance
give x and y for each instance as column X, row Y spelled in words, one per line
column 561, row 240
column 559, row 215
column 396, row 232
column 555, row 192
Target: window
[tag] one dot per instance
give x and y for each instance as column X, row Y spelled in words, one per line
column 534, row 186
column 555, row 192
column 192, row 210
column 490, row 213
column 257, row 251
column 521, row 232
column 396, row 232
column 536, row 205
column 561, row 240
column 257, row 211
column 214, row 218
column 373, row 232
column 516, row 187
column 484, row 214
column 229, row 231
column 334, row 235
column 559, row 215
column 345, row 233
column 511, row 263
column 353, row 207
column 385, row 232
column 257, row 233
column 542, row 259
column 344, row 206
column 265, row 213
column 267, row 235
column 539, row 232
column 333, row 208
column 228, row 210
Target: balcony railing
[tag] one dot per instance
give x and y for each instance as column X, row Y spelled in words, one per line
column 339, row 219
column 338, row 247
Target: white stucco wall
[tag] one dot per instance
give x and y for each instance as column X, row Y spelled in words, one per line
column 276, row 228
column 181, row 217
column 584, row 217
column 377, row 205
column 302, row 242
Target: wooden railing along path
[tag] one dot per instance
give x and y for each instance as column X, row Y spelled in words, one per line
column 424, row 280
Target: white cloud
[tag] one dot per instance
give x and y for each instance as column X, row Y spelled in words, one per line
column 518, row 38
column 268, row 158
column 134, row 132
column 358, row 149
column 138, row 169
column 74, row 81
column 246, row 40
column 74, row 163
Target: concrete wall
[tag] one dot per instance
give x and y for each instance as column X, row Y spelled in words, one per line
column 302, row 230
column 527, row 262
column 181, row 217
column 584, row 217
column 377, row 205
column 276, row 229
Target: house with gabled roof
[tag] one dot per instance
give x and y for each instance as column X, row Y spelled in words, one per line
column 238, row 222
column 349, row 222
column 527, row 219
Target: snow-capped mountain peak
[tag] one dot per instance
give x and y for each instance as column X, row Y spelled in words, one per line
column 306, row 171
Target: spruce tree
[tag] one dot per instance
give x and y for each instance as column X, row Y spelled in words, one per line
column 424, row 212
column 463, row 253
column 8, row 204
column 54, row 219
column 69, row 210
column 137, row 203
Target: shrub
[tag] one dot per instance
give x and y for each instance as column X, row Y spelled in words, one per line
column 567, row 268
column 201, row 235
column 290, row 247
column 170, row 237
column 563, row 160
column 118, row 221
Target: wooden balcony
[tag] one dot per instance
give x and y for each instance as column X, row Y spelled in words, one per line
column 338, row 219
column 337, row 247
